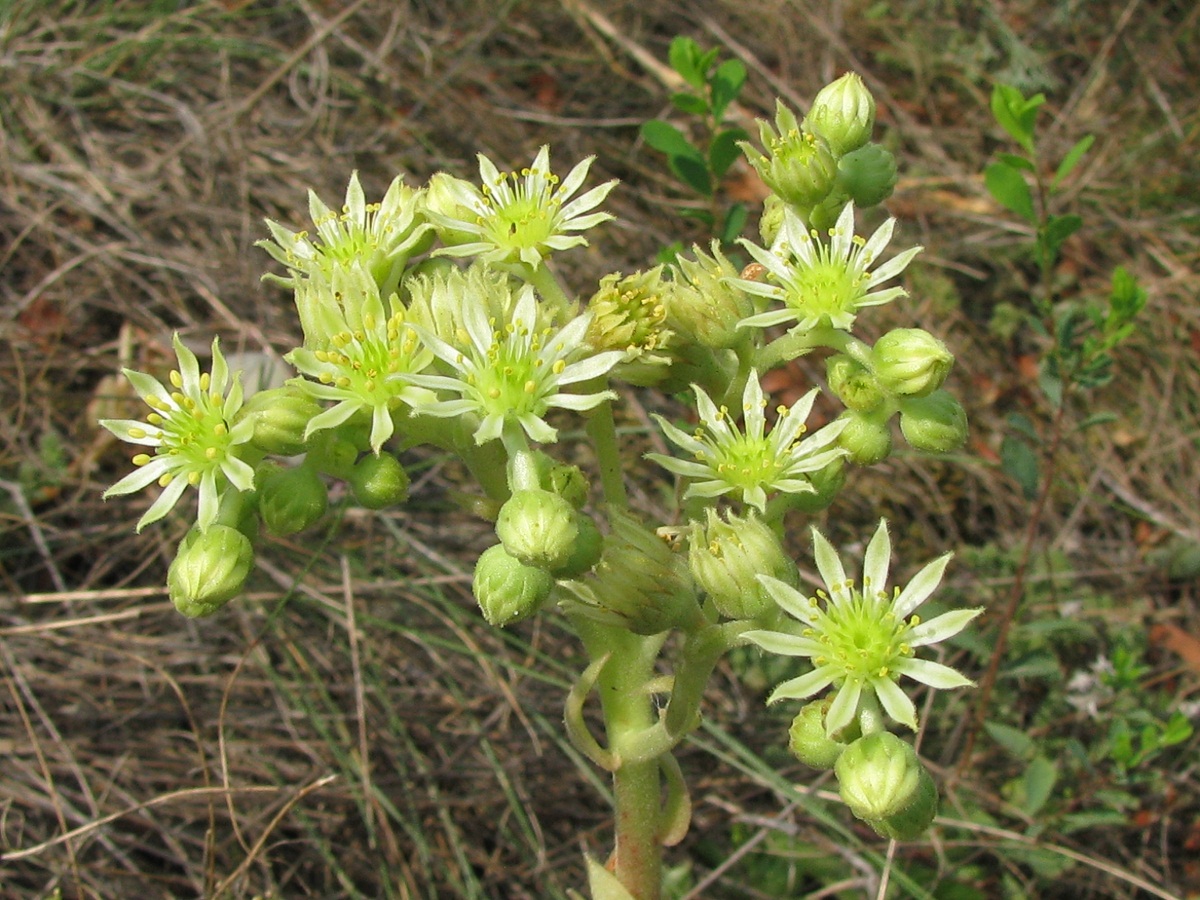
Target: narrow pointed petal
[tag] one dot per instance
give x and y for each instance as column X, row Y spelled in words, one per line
column 877, row 559
column 803, row 687
column 922, row 585
column 895, row 702
column 932, row 673
column 165, row 502
column 828, row 563
column 944, row 626
column 844, row 707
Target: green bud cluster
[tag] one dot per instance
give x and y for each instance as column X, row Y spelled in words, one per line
column 820, row 164
column 904, row 372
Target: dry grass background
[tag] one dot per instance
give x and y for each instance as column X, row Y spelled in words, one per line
column 142, row 143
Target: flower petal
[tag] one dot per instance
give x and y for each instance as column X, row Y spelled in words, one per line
column 803, row 687
column 932, row 673
column 922, row 585
column 895, row 702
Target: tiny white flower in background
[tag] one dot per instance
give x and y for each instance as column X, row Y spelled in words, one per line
column 364, row 363
column 748, row 462
column 515, row 370
column 823, row 282
column 861, row 638
column 520, row 215
column 191, row 428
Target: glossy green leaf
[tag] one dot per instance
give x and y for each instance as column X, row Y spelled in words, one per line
column 726, row 84
column 690, row 104
column 1071, row 160
column 1009, row 188
column 684, row 56
column 724, row 150
column 666, row 138
column 1020, row 463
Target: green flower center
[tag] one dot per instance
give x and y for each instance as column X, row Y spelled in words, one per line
column 194, row 431
column 862, row 636
column 512, row 378
column 360, row 362
column 527, row 219
column 826, row 287
column 746, row 462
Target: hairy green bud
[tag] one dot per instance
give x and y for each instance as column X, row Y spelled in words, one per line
column 911, row 362
column 538, row 527
column 379, row 481
column 878, row 775
column 798, row 165
column 506, row 589
column 843, row 113
column 280, row 416
column 642, row 580
column 589, row 544
column 807, row 740
column 914, row 820
column 867, row 175
column 210, row 569
column 935, row 424
column 725, row 558
column 853, row 383
column 703, row 306
column 290, row 499
column 866, row 439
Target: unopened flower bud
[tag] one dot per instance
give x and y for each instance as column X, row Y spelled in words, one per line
column 827, row 481
column 568, row 481
column 878, row 775
column 914, row 820
column 935, row 424
column 538, row 527
column 726, row 556
column 629, row 314
column 589, row 544
column 280, row 416
column 642, row 580
column 807, row 740
column 506, row 589
column 843, row 113
column 332, row 453
column 798, row 165
column 853, row 383
column 703, row 306
column 771, row 220
column 209, row 569
column 290, row 499
column 446, row 199
column 867, row 175
column 911, row 362
column 379, row 481
column 866, row 439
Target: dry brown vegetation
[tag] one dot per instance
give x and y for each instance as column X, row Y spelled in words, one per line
column 141, row 145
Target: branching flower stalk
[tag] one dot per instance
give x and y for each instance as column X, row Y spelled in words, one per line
column 438, row 317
